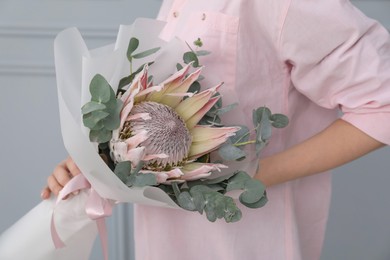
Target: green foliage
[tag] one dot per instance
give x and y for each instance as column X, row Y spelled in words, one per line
column 202, row 198
column 263, row 121
column 132, row 177
column 253, row 190
column 145, row 53
column 195, row 87
column 133, row 46
column 127, row 80
column 209, row 196
column 189, row 57
column 122, row 170
column 202, row 53
column 279, row 120
column 229, row 152
column 101, row 114
column 198, row 42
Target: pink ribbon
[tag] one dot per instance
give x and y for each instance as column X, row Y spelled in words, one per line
column 97, row 208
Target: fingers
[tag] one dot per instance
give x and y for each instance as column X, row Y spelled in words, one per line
column 71, row 167
column 60, row 177
column 45, row 194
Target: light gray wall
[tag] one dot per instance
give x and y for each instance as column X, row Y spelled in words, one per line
column 31, row 141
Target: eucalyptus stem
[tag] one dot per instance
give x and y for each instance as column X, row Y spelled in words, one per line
column 245, row 143
column 176, row 189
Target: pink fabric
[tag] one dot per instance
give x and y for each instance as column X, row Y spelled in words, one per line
column 299, row 57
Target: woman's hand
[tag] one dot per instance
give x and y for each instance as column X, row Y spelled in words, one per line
column 61, row 175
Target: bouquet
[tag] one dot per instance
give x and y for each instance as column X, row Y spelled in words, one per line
column 142, row 129
column 162, row 136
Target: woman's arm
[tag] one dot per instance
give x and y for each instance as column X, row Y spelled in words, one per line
column 338, row 144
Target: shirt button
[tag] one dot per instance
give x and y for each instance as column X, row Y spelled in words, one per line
column 203, row 16
column 175, row 14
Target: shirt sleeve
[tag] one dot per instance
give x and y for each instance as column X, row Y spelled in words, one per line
column 340, row 58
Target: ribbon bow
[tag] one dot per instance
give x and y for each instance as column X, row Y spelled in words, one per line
column 96, row 207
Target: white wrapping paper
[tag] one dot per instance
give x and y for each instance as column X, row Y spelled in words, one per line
column 30, row 237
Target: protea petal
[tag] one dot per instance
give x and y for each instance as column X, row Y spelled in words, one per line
column 125, row 113
column 199, row 115
column 129, row 95
column 173, row 100
column 195, row 171
column 164, row 176
column 190, row 106
column 141, row 96
column 137, row 85
column 135, row 155
column 173, row 81
column 119, row 150
column 203, row 133
column 149, row 157
column 200, row 148
column 143, row 116
column 136, row 140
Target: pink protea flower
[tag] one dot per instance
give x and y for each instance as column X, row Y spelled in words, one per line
column 159, row 127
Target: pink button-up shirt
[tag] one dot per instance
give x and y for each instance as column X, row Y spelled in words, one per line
column 302, row 58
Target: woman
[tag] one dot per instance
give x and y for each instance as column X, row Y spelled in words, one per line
column 302, row 58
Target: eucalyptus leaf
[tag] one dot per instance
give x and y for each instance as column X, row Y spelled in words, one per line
column 232, row 212
column 138, row 168
column 92, row 106
column 219, row 102
column 264, row 129
column 122, row 170
column 100, row 136
column 114, row 107
column 195, row 87
column 241, row 136
column 218, row 179
column 99, row 125
column 198, row 198
column 202, row 53
column 258, row 113
column 210, row 207
column 279, row 120
column 145, row 53
column 253, row 191
column 237, row 182
column 189, row 57
column 90, row 120
column 100, row 89
column 226, row 109
column 186, row 201
column 125, row 81
column 147, row 179
column 133, row 45
column 257, row 204
column 212, row 112
column 230, row 152
column 179, row 66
